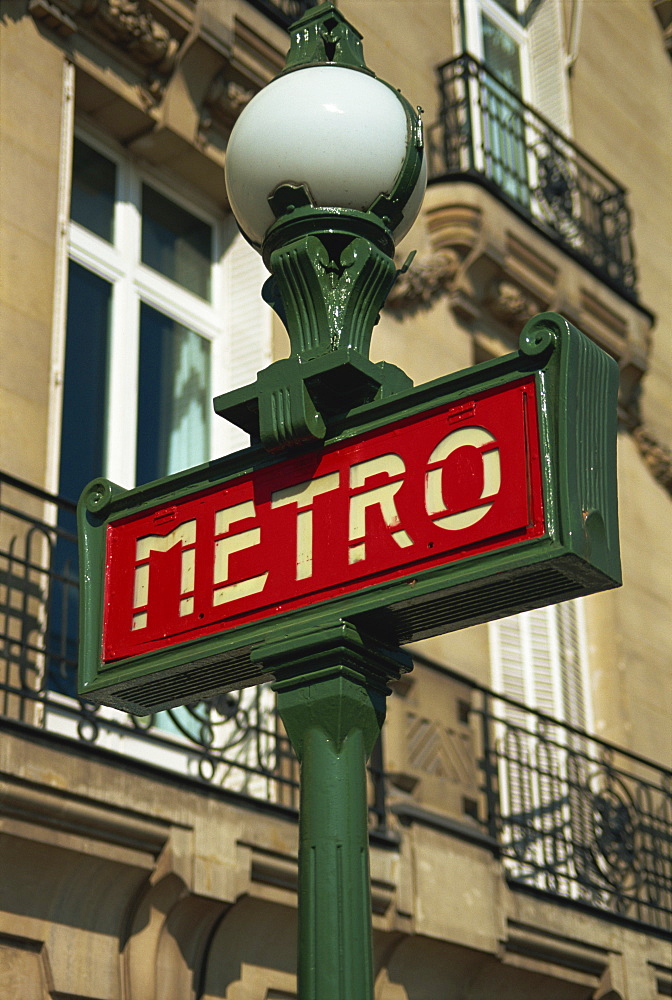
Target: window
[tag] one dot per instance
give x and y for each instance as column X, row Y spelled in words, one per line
column 163, row 312
column 520, row 46
column 150, row 331
column 538, row 69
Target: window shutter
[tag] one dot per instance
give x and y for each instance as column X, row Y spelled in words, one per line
column 248, row 323
column 572, row 658
column 538, row 658
column 506, row 646
column 548, row 65
column 542, row 660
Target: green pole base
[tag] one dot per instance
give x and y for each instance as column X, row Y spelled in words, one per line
column 331, row 689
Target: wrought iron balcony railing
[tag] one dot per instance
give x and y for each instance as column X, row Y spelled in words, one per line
column 235, row 742
column 573, row 816
column 488, row 134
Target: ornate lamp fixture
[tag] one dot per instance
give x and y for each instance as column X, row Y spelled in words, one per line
column 325, row 172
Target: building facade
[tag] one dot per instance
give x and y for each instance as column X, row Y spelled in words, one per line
column 520, row 799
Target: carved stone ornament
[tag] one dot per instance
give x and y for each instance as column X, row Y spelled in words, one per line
column 510, row 304
column 657, row 458
column 426, row 280
column 128, row 24
column 224, row 100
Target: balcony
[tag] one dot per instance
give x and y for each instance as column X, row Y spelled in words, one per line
column 575, row 816
column 570, row 816
column 488, row 135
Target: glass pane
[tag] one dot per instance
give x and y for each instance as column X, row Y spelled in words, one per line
column 93, row 190
column 501, row 55
column 173, row 397
column 85, row 383
column 82, row 458
column 502, row 120
column 176, row 243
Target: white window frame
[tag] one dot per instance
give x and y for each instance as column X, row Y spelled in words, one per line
column 474, row 10
column 472, row 17
column 133, row 283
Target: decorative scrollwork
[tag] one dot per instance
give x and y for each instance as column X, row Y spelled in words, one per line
column 575, row 821
column 510, row 304
column 556, row 191
column 291, row 8
column 552, row 182
column 616, row 828
column 657, row 458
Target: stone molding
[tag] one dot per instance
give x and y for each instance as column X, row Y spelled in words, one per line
column 541, row 951
column 437, row 273
column 128, row 884
column 66, row 815
column 192, row 71
column 129, row 25
column 496, row 271
column 507, row 290
column 510, row 304
column 430, row 749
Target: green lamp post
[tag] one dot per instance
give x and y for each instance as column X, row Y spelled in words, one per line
column 325, row 171
column 343, row 531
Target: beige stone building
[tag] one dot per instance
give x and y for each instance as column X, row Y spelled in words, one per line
column 521, row 823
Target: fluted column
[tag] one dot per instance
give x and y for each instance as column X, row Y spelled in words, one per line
column 331, row 697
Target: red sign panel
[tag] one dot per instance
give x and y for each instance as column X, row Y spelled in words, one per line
column 417, row 493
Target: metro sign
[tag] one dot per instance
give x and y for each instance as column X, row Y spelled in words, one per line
column 421, row 492
column 441, row 507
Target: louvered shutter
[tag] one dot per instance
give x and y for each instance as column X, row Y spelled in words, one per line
column 548, row 65
column 506, row 644
column 249, row 327
column 538, row 658
column 248, row 323
column 572, row 657
column 507, row 657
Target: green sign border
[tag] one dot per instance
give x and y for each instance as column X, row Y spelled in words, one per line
column 577, row 387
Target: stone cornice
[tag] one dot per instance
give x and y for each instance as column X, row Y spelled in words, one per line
column 129, row 25
column 436, row 274
column 495, row 272
column 188, row 69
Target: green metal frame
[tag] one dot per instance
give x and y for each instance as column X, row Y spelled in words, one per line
column 577, row 386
